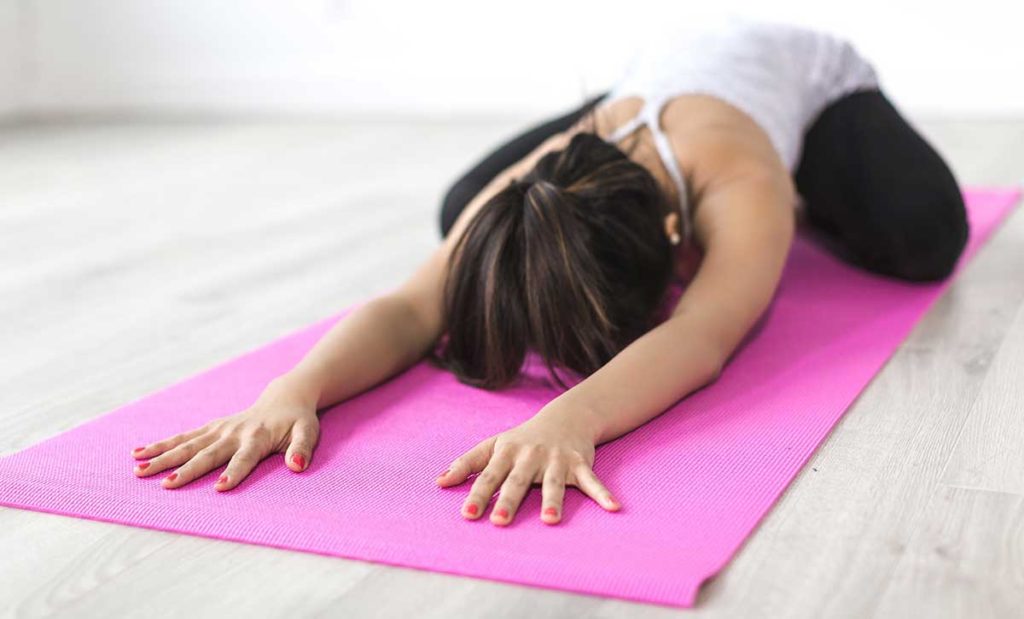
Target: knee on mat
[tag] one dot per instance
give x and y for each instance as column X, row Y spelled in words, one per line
column 928, row 249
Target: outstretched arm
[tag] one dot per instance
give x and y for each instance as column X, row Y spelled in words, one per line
column 748, row 224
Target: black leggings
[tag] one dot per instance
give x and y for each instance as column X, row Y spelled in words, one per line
column 878, row 195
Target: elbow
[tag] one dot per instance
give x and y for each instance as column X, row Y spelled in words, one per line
column 714, row 372
column 713, row 369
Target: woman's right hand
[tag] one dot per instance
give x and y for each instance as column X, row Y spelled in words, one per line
column 283, row 419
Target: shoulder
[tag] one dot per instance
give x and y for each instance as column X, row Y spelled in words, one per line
column 738, row 182
column 746, row 209
column 718, row 143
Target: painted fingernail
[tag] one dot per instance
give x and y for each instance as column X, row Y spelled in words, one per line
column 472, row 509
column 299, row 460
column 143, row 466
column 138, row 449
column 171, row 477
column 501, row 512
column 223, row 479
column 551, row 511
column 444, row 473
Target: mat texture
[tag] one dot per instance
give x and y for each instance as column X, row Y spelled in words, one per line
column 693, row 483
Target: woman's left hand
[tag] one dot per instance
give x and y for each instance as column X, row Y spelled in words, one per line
column 554, row 448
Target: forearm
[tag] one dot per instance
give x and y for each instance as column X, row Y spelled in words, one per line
column 375, row 341
column 647, row 377
column 746, row 250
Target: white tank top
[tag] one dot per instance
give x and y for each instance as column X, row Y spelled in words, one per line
column 782, row 76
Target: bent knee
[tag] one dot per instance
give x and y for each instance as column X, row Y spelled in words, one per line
column 929, row 248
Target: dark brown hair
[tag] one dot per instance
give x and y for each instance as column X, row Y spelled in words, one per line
column 570, row 261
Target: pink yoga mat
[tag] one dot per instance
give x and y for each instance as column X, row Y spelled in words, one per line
column 693, row 483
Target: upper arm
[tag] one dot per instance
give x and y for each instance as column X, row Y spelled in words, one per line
column 746, row 225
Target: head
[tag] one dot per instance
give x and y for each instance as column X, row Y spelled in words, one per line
column 571, row 261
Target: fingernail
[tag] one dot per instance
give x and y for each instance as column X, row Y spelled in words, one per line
column 299, row 460
column 612, row 500
column 223, row 479
column 472, row 509
column 143, row 466
column 502, row 512
column 171, row 477
column 444, row 473
column 138, row 449
column 551, row 511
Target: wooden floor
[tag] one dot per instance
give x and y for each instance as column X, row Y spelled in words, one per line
column 133, row 255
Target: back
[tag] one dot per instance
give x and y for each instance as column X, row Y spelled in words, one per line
column 782, row 76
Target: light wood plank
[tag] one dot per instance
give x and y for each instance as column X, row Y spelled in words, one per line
column 989, row 454
column 964, row 561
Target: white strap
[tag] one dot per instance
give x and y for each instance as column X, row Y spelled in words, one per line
column 649, row 114
column 627, row 128
column 669, row 159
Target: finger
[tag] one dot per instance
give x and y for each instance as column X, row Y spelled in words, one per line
column 240, row 465
column 159, row 447
column 515, row 487
column 553, row 492
column 473, row 461
column 588, row 482
column 305, row 432
column 207, row 459
column 179, row 456
column 175, row 457
column 485, row 485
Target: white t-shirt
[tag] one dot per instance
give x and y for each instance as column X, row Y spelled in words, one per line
column 781, row 75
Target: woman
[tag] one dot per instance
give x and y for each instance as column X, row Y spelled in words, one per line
column 564, row 240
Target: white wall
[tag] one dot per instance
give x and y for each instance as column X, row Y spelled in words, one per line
column 12, row 47
column 446, row 57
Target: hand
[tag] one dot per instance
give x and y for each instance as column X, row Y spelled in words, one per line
column 282, row 418
column 554, row 448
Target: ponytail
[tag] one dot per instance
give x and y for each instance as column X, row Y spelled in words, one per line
column 570, row 261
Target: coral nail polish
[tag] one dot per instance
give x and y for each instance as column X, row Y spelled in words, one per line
column 137, row 449
column 223, row 479
column 172, row 477
column 472, row 509
column 299, row 460
column 502, row 513
column 143, row 466
column 551, row 511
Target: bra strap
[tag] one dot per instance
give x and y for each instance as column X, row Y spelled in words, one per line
column 649, row 114
column 668, row 158
column 627, row 128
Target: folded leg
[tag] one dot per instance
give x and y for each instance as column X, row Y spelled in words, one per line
column 881, row 193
